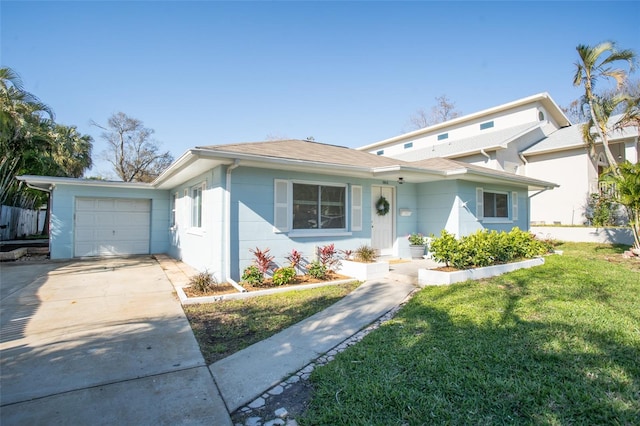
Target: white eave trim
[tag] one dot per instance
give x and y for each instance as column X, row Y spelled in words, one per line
column 531, row 183
column 255, row 159
column 52, row 180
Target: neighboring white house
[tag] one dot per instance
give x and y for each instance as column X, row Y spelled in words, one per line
column 530, row 137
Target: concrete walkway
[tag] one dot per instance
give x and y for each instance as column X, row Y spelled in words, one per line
column 247, row 374
column 106, row 342
column 100, row 342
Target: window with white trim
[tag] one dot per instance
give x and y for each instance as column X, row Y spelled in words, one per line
column 301, row 206
column 196, row 205
column 319, row 206
column 174, row 203
column 494, row 205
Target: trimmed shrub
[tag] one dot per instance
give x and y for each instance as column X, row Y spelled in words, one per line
column 317, row 270
column 252, row 275
column 282, row 276
column 485, row 248
column 444, row 247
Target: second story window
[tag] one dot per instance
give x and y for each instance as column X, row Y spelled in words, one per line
column 486, row 125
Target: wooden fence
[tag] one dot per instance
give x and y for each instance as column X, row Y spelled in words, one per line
column 16, row 222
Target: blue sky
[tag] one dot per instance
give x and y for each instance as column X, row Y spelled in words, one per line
column 346, row 73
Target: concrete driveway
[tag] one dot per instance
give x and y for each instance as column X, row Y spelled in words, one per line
column 99, row 342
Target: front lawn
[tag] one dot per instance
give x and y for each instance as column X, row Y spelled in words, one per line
column 225, row 327
column 556, row 344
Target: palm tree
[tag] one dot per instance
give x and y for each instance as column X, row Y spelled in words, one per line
column 23, row 120
column 32, row 143
column 627, row 184
column 599, row 62
column 71, row 151
column 603, row 107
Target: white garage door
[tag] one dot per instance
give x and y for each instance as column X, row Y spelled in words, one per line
column 111, row 226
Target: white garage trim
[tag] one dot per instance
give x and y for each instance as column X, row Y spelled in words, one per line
column 111, row 226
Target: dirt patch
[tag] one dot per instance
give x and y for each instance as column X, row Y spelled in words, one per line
column 445, row 269
column 216, row 290
column 632, row 262
column 295, row 399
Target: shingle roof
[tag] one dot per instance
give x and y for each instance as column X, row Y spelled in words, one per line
column 457, row 147
column 447, row 165
column 571, row 137
column 296, row 151
column 301, row 150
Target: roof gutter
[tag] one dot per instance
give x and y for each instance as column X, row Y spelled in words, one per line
column 39, row 188
column 483, row 152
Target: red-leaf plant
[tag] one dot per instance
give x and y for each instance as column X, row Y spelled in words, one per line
column 328, row 256
column 263, row 260
column 295, row 257
column 347, row 254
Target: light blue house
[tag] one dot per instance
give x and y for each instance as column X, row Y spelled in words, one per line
column 215, row 203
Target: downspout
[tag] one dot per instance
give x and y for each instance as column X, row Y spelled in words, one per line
column 539, row 192
column 483, row 152
column 227, row 236
column 524, row 160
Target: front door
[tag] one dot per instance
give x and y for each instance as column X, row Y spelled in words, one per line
column 382, row 225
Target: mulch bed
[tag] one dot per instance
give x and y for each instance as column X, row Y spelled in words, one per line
column 226, row 288
column 218, row 290
column 299, row 280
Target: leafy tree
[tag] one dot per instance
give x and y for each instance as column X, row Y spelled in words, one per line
column 631, row 113
column 70, row 150
column 627, row 192
column 444, row 110
column 595, row 63
column 132, row 152
column 23, row 122
column 32, row 143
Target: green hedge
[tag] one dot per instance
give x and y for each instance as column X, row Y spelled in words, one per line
column 485, row 248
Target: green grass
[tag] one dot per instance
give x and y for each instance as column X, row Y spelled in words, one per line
column 223, row 328
column 557, row 344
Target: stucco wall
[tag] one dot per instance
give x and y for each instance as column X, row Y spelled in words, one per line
column 502, row 120
column 252, row 193
column 451, row 205
column 63, row 211
column 200, row 247
column 585, row 234
column 565, row 204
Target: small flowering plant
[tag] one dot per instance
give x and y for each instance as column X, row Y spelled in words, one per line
column 417, row 239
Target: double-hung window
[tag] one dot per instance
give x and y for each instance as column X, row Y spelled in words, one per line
column 319, row 206
column 196, row 206
column 174, row 203
column 494, row 205
column 303, row 207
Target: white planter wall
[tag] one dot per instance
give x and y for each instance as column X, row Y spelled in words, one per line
column 583, row 234
column 363, row 271
column 433, row 277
